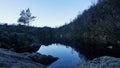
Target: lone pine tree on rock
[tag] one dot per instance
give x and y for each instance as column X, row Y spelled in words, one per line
column 26, row 17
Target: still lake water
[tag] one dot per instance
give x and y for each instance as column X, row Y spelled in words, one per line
column 68, row 57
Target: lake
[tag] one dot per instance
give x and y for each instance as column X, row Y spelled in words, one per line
column 68, row 57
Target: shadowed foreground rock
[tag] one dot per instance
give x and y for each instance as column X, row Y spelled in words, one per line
column 43, row 59
column 9, row 59
column 102, row 62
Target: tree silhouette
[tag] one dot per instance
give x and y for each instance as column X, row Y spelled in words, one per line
column 26, row 17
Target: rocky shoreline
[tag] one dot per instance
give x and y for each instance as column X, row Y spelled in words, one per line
column 101, row 62
column 10, row 59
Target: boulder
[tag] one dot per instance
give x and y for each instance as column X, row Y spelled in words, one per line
column 102, row 62
column 9, row 59
column 43, row 59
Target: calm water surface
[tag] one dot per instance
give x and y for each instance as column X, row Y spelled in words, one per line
column 68, row 57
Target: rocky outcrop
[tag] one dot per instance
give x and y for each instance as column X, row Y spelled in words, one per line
column 102, row 62
column 9, row 59
column 43, row 59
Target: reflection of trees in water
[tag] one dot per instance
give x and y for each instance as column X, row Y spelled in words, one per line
column 72, row 51
column 67, row 46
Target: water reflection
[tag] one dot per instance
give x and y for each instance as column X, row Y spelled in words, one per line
column 68, row 57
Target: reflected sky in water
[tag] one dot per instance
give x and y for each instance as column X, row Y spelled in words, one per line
column 68, row 57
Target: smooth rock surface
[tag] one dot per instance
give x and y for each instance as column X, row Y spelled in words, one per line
column 9, row 59
column 102, row 62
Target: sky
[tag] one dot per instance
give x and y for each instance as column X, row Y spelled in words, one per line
column 52, row 13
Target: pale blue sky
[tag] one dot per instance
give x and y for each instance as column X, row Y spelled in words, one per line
column 48, row 12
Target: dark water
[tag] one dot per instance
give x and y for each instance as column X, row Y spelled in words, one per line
column 68, row 57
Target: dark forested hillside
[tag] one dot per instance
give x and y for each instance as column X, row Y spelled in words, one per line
column 98, row 27
column 101, row 22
